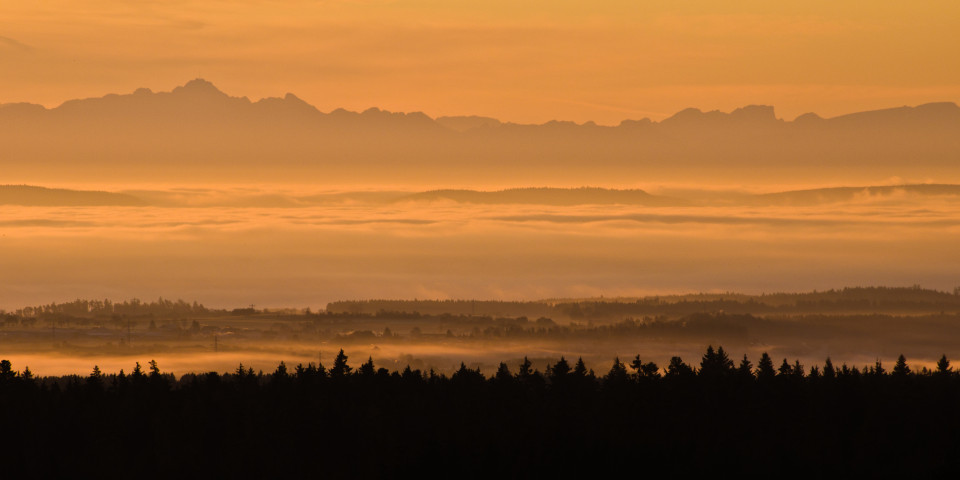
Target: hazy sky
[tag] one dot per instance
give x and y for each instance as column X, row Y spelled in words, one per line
column 518, row 60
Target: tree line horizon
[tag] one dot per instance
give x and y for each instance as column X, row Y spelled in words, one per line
column 714, row 363
column 371, row 422
column 872, row 296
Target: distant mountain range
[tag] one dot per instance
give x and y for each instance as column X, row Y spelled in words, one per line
column 196, row 131
column 25, row 195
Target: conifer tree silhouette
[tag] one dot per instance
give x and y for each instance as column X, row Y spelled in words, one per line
column 96, row 377
column 901, row 369
column 943, row 366
column 617, row 374
column 137, row 373
column 559, row 371
column 715, row 363
column 644, row 370
column 281, row 372
column 745, row 370
column 785, row 369
column 650, row 370
column 678, row 369
column 503, row 374
column 765, row 369
column 828, row 371
column 580, row 369
column 6, row 370
column 878, row 369
column 637, row 366
column 525, row 371
column 154, row 369
column 367, row 369
column 340, row 368
column 797, row 369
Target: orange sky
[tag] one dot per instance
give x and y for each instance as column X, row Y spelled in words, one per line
column 519, row 60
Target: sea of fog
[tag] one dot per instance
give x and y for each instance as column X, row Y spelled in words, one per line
column 236, row 248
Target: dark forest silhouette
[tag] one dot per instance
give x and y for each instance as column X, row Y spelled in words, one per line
column 717, row 415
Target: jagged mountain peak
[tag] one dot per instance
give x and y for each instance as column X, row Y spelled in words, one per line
column 760, row 113
column 199, row 86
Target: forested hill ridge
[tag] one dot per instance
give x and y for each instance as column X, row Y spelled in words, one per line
column 858, row 324
column 28, row 195
column 851, row 299
column 721, row 412
column 198, row 130
column 549, row 196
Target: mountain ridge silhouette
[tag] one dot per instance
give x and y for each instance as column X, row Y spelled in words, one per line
column 196, row 130
column 204, row 91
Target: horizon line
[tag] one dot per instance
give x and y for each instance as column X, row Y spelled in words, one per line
column 288, row 95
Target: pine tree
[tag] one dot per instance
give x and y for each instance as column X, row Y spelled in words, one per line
column 367, row 369
column 901, row 369
column 785, row 369
column 650, row 370
column 6, row 370
column 580, row 369
column 503, row 373
column 411, row 375
column 281, row 372
column 120, row 381
column 340, row 368
column 677, row 368
column 878, row 369
column 765, row 369
column 637, row 365
column 96, row 377
column 617, row 373
column 797, row 369
column 137, row 373
column 525, row 371
column 708, row 361
column 558, row 372
column 745, row 370
column 723, row 361
column 715, row 363
column 154, row 369
column 943, row 366
column 828, row 370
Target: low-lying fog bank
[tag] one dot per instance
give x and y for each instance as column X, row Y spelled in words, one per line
column 857, row 326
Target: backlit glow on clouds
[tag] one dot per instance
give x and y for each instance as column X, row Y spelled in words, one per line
column 524, row 61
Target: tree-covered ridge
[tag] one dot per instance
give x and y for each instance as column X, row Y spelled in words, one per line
column 715, row 363
column 721, row 412
column 83, row 308
column 845, row 300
